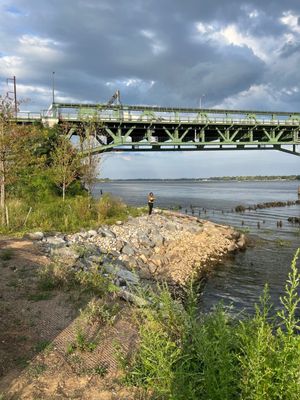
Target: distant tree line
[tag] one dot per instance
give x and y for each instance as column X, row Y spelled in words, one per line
column 256, row 178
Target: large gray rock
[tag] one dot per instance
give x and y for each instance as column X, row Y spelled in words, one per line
column 152, row 268
column 114, row 253
column 83, row 235
column 85, row 249
column 158, row 239
column 157, row 260
column 147, row 251
column 92, row 233
column 106, row 232
column 193, row 229
column 128, row 250
column 121, row 273
column 144, row 240
column 232, row 247
column 95, row 260
column 235, row 235
column 65, row 254
column 132, row 298
column 172, row 227
column 55, row 241
column 143, row 258
column 242, row 242
column 131, row 262
column 119, row 245
column 34, row 235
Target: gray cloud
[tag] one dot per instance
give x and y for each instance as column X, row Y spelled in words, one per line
column 95, row 47
column 240, row 54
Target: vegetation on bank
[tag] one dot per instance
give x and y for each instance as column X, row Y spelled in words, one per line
column 45, row 183
column 182, row 355
column 75, row 213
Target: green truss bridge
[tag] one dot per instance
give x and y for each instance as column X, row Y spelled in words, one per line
column 151, row 128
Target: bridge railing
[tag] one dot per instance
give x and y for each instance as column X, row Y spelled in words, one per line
column 188, row 119
column 29, row 115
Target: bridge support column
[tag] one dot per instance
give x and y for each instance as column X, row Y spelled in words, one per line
column 50, row 121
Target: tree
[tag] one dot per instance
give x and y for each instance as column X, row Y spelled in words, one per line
column 65, row 164
column 6, row 115
column 15, row 150
column 90, row 163
column 91, row 128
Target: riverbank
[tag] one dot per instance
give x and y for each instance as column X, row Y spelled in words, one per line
column 166, row 246
column 60, row 330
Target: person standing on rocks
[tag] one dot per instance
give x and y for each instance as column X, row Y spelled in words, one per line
column 151, row 199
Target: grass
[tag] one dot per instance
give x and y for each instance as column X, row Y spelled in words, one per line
column 76, row 213
column 243, row 230
column 97, row 311
column 22, row 361
column 183, row 355
column 36, row 369
column 42, row 345
column 58, row 275
column 6, row 254
column 101, row 370
column 81, row 343
column 12, row 283
column 41, row 296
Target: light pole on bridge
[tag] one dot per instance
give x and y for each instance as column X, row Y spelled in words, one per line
column 200, row 100
column 53, row 88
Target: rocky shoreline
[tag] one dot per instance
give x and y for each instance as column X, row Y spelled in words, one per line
column 164, row 247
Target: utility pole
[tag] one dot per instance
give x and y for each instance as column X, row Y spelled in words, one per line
column 14, row 92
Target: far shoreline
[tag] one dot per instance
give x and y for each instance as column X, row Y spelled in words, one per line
column 207, row 180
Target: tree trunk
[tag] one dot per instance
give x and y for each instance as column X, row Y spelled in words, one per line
column 64, row 191
column 2, row 192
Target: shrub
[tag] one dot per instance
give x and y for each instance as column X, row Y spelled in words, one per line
column 98, row 311
column 75, row 213
column 185, row 356
column 109, row 207
column 56, row 275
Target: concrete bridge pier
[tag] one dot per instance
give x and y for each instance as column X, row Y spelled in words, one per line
column 50, row 122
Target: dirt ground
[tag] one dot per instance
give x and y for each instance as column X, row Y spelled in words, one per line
column 38, row 360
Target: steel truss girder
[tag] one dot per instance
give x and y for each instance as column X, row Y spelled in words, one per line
column 140, row 147
column 184, row 137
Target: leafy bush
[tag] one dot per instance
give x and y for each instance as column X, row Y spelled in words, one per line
column 110, row 207
column 182, row 355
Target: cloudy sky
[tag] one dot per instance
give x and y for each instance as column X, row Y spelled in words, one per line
column 233, row 54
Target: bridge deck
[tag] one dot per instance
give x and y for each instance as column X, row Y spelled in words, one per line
column 144, row 128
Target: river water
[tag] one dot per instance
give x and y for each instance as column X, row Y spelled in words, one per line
column 239, row 282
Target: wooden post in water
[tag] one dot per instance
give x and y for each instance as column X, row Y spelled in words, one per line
column 299, row 191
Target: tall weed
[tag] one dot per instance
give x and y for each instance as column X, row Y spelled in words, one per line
column 183, row 355
column 257, row 351
column 287, row 362
column 75, row 213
